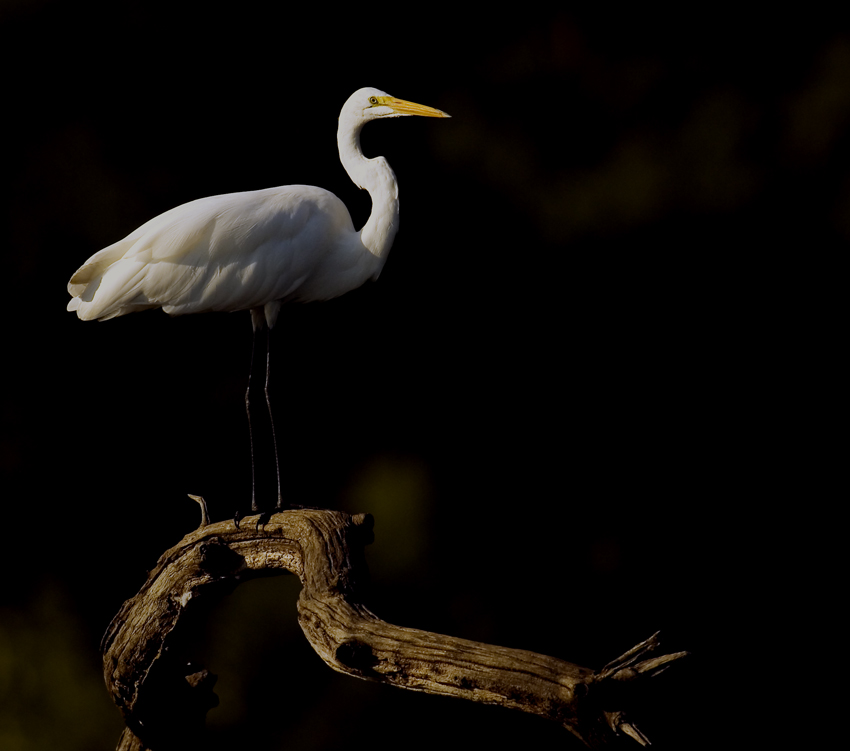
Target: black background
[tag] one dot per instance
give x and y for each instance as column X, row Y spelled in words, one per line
column 571, row 401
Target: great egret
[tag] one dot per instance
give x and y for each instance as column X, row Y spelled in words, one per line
column 255, row 250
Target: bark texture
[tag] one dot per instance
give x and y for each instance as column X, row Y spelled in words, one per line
column 165, row 701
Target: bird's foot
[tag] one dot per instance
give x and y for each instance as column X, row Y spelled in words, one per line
column 279, row 506
column 264, row 517
column 238, row 515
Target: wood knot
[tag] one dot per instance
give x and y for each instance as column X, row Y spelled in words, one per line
column 356, row 655
column 217, row 559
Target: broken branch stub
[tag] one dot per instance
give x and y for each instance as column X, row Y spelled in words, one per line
column 165, row 700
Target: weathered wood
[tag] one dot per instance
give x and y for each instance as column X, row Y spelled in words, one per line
column 164, row 701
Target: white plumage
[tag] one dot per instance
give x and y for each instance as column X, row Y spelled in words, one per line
column 258, row 249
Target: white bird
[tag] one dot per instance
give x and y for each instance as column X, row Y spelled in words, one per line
column 255, row 250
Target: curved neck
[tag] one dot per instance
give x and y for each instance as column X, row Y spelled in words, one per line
column 375, row 176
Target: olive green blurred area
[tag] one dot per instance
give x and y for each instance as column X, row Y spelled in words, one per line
column 569, row 402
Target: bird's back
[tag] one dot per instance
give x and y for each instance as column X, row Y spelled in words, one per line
column 229, row 252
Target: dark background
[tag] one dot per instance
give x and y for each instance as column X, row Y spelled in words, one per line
column 571, row 402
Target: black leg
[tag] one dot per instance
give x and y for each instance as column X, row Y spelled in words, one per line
column 279, row 504
column 266, row 515
column 254, row 508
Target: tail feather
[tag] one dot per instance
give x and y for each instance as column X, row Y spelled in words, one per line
column 86, row 281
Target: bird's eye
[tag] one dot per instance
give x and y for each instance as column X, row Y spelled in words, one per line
column 373, row 100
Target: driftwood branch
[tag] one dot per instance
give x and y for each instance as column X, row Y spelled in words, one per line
column 164, row 701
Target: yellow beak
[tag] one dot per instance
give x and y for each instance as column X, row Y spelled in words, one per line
column 402, row 107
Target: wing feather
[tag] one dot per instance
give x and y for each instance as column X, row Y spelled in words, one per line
column 229, row 252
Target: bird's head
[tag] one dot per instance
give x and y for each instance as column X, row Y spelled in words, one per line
column 372, row 104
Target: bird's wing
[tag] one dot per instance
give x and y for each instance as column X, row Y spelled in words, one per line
column 229, row 252
column 260, row 250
